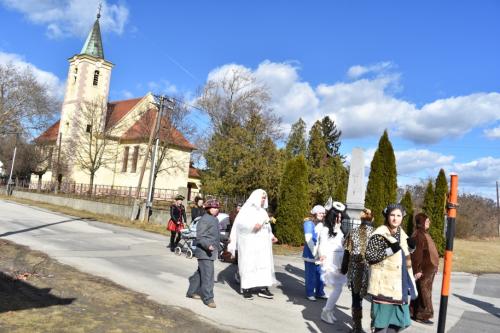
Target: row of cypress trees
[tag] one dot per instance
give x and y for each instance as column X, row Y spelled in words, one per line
column 382, row 188
column 313, row 172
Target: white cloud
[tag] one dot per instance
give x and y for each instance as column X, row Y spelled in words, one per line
column 483, row 171
column 493, row 133
column 366, row 106
column 357, row 71
column 54, row 86
column 71, row 17
column 414, row 161
column 163, row 86
column 452, row 116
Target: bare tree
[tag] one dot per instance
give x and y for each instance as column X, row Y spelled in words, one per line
column 25, row 104
column 42, row 159
column 174, row 131
column 93, row 138
column 230, row 101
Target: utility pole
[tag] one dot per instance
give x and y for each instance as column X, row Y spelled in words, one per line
column 10, row 183
column 498, row 212
column 58, row 163
column 149, row 201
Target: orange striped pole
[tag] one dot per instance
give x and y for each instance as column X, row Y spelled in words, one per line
column 448, row 255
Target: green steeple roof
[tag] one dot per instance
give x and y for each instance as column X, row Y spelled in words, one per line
column 93, row 44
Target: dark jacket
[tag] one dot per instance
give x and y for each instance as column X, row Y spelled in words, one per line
column 197, row 211
column 207, row 233
column 178, row 213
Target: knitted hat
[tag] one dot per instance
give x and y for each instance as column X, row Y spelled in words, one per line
column 212, row 203
column 318, row 209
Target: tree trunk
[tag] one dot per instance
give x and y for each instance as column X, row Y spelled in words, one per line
column 39, row 185
column 91, row 184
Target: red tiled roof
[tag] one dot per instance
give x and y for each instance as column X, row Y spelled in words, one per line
column 49, row 135
column 118, row 109
column 194, row 173
column 140, row 131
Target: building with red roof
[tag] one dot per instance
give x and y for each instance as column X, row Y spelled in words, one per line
column 103, row 142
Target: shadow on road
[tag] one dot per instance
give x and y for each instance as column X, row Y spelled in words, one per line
column 41, row 226
column 485, row 306
column 19, row 295
column 226, row 276
column 293, row 288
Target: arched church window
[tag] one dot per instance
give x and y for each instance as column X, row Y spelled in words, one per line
column 96, row 78
column 75, row 74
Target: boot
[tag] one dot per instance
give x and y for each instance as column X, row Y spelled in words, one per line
column 357, row 315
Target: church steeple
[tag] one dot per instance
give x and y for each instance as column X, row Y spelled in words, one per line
column 93, row 44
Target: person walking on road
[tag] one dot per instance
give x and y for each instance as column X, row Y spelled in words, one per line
column 251, row 235
column 201, row 283
column 355, row 265
column 425, row 262
column 176, row 222
column 331, row 252
column 391, row 282
column 315, row 287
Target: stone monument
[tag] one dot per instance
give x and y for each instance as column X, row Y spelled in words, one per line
column 355, row 202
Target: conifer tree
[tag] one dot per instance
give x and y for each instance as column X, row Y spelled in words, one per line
column 428, row 204
column 296, row 143
column 381, row 189
column 437, row 220
column 408, row 219
column 332, row 137
column 293, row 202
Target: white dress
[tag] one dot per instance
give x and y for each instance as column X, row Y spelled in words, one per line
column 255, row 251
column 332, row 249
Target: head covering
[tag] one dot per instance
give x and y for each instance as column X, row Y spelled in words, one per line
column 318, row 209
column 211, row 203
column 366, row 215
column 255, row 199
column 390, row 207
column 179, row 197
column 420, row 219
column 338, row 206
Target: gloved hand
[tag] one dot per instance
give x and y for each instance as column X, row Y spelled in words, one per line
column 411, row 243
column 395, row 247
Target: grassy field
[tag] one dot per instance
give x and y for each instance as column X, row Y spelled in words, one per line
column 472, row 256
column 38, row 294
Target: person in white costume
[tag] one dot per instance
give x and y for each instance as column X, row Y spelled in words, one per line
column 251, row 235
column 331, row 252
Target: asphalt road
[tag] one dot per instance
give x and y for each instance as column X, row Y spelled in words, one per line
column 140, row 261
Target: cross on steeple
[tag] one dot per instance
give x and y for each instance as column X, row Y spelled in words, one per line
column 99, row 10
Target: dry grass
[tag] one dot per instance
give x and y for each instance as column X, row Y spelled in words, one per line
column 476, row 256
column 38, row 294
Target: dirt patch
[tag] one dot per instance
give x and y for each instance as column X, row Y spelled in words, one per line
column 39, row 294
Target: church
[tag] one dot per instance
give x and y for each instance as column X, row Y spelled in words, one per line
column 102, row 143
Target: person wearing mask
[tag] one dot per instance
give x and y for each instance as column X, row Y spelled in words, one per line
column 176, row 222
column 201, row 283
column 425, row 262
column 356, row 267
column 391, row 283
column 313, row 283
column 251, row 235
column 331, row 252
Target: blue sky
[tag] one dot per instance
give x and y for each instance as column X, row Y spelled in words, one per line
column 427, row 71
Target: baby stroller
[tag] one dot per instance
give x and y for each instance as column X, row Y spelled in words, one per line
column 224, row 228
column 187, row 243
